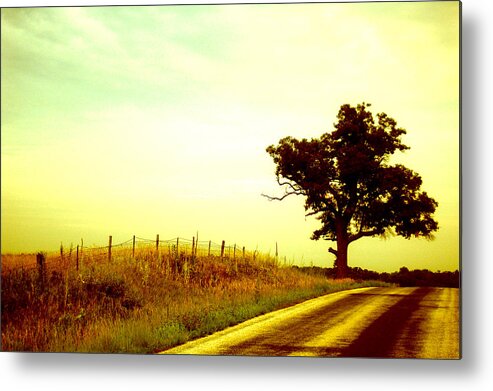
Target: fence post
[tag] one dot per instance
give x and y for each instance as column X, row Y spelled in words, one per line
column 197, row 244
column 61, row 251
column 77, row 259
column 234, row 252
column 157, row 244
column 40, row 260
column 193, row 246
column 222, row 249
column 81, row 248
column 133, row 247
column 209, row 251
column 109, row 248
column 243, row 252
column 177, row 255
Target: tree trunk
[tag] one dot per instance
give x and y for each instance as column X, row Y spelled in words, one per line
column 342, row 247
column 341, row 261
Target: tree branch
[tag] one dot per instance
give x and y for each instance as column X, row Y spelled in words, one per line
column 270, row 198
column 361, row 234
column 331, row 250
column 296, row 190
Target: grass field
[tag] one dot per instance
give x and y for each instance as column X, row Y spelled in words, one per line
column 143, row 303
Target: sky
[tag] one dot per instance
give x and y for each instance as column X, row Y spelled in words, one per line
column 155, row 120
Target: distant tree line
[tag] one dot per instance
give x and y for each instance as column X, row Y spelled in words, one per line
column 404, row 277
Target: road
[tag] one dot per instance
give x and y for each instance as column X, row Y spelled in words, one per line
column 365, row 322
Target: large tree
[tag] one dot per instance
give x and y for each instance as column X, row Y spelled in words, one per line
column 349, row 184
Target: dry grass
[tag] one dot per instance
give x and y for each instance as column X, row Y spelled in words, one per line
column 142, row 304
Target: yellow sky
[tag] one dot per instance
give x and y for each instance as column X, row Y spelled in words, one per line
column 146, row 120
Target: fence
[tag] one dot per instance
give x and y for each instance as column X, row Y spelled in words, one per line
column 76, row 256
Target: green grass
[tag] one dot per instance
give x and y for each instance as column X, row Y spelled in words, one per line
column 149, row 303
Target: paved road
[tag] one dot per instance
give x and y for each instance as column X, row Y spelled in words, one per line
column 366, row 322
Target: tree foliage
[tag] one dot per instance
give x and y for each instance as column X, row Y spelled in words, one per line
column 349, row 184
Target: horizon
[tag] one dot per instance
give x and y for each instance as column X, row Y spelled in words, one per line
column 154, row 120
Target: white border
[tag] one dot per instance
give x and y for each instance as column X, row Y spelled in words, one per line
column 474, row 372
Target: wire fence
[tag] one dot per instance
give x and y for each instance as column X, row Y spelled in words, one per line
column 76, row 256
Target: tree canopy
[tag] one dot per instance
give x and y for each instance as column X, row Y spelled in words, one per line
column 349, row 184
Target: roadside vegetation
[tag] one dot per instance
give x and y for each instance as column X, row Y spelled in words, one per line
column 147, row 302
